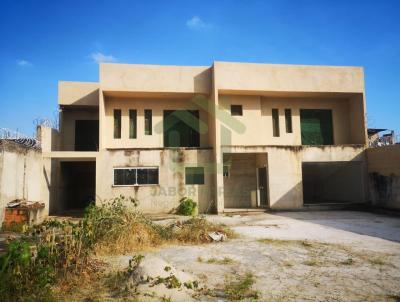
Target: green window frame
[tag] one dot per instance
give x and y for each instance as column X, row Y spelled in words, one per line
column 117, row 123
column 316, row 127
column 148, row 122
column 288, row 121
column 132, row 123
column 275, row 122
column 194, row 175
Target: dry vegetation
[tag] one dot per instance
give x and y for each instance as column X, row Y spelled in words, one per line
column 61, row 253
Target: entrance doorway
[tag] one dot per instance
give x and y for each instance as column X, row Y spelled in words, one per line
column 78, row 185
column 262, row 187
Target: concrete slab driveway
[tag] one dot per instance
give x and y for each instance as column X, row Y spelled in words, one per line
column 300, row 256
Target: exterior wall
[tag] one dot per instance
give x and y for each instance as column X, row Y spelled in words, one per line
column 50, row 141
column 67, row 125
column 78, row 93
column 258, row 87
column 288, row 78
column 156, row 140
column 155, row 78
column 384, row 176
column 285, row 170
column 257, row 115
column 162, row 198
column 20, row 174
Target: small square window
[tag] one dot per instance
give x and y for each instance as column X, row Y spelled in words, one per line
column 236, row 110
column 194, row 175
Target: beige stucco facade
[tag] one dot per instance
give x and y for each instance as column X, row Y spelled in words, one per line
column 244, row 144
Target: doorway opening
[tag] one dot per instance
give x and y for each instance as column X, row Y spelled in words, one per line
column 262, row 187
column 77, row 186
column 245, row 180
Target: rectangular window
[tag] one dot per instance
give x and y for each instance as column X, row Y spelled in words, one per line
column 316, row 127
column 86, row 135
column 124, row 177
column 275, row 122
column 132, row 123
column 288, row 120
column 194, row 175
column 117, row 123
column 225, row 172
column 147, row 176
column 134, row 176
column 148, row 123
column 181, row 128
column 236, row 110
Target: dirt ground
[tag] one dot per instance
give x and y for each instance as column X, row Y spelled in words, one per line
column 292, row 256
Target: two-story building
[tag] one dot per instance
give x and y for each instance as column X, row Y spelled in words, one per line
column 233, row 135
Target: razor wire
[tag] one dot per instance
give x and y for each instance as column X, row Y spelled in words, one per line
column 19, row 138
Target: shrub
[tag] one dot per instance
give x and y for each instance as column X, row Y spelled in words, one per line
column 187, row 207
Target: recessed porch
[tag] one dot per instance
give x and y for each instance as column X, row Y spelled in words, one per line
column 245, row 180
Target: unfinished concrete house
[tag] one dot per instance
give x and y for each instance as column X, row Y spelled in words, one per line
column 233, row 135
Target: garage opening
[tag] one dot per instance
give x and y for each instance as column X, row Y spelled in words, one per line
column 78, row 186
column 333, row 182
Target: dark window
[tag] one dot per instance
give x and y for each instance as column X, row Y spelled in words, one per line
column 135, row 176
column 148, row 176
column 275, row 122
column 236, row 110
column 181, row 128
column 86, row 135
column 225, row 172
column 194, row 175
column 288, row 120
column 117, row 123
column 148, row 123
column 124, row 177
column 132, row 123
column 316, row 127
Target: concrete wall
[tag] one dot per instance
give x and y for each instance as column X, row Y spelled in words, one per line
column 20, row 174
column 78, row 93
column 155, row 78
column 292, row 78
column 257, row 119
column 285, row 188
column 384, row 176
column 160, row 198
column 260, row 87
column 68, row 117
column 157, row 105
column 50, row 141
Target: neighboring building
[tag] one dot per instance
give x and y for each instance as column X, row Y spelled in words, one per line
column 376, row 140
column 233, row 135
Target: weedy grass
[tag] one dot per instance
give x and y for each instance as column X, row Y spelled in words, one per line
column 54, row 251
column 241, row 288
column 223, row 261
